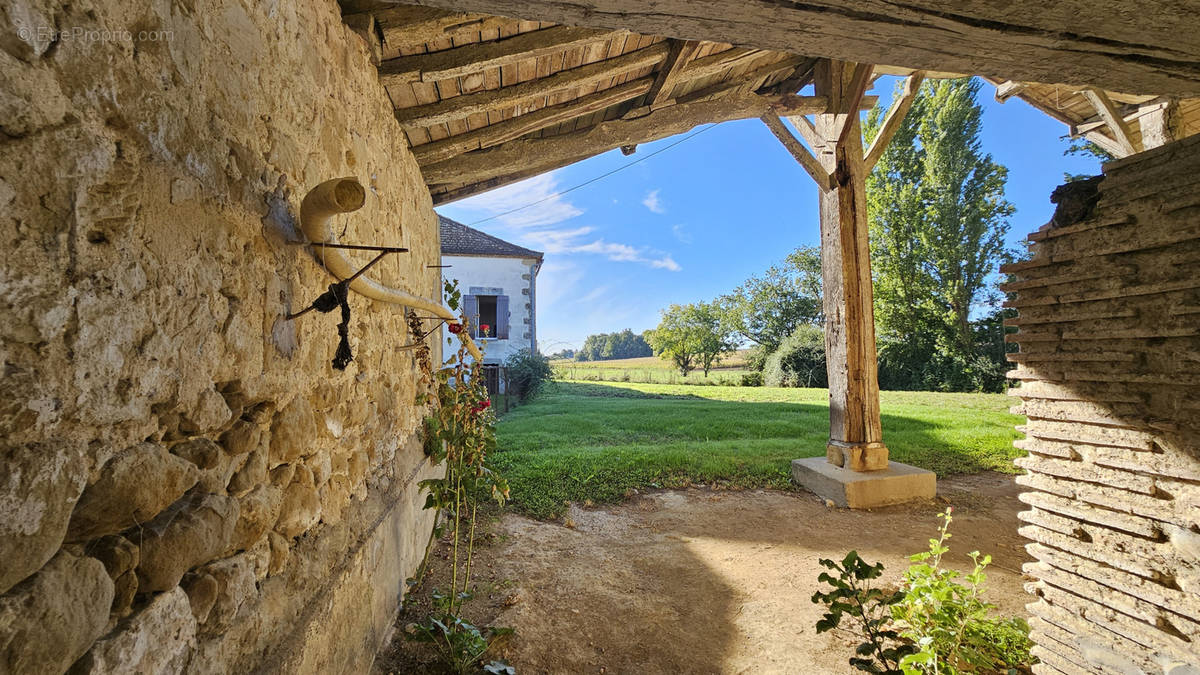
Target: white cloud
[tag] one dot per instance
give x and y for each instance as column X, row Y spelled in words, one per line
column 652, row 202
column 550, row 208
column 681, row 234
column 534, row 226
column 627, row 253
column 567, row 241
column 556, row 241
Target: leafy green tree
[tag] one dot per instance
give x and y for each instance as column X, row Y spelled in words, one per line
column 606, row 346
column 799, row 361
column 938, row 221
column 767, row 308
column 692, row 336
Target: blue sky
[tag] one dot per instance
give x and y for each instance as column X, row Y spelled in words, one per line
column 693, row 222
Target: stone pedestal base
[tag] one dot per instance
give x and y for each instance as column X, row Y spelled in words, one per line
column 897, row 484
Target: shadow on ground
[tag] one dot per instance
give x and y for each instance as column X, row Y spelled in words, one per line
column 703, row 581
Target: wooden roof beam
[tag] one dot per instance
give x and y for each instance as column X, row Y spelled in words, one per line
column 480, row 56
column 495, row 134
column 461, row 107
column 668, row 75
column 481, row 165
column 411, row 26
column 807, row 161
column 895, row 117
column 714, row 64
column 1016, row 40
column 723, row 88
column 809, row 132
column 800, row 77
column 451, row 194
column 1115, row 121
column 1008, row 89
column 860, row 80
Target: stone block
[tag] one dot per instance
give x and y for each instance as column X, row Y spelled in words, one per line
column 897, row 484
column 157, row 639
column 134, row 487
column 192, row 532
column 39, row 484
column 49, row 620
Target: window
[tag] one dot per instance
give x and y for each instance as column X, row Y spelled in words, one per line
column 488, row 315
column 485, row 325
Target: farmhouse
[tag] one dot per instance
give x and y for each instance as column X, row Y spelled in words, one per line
column 499, row 285
column 189, row 482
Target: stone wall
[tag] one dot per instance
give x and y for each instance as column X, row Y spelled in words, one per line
column 1109, row 334
column 185, row 482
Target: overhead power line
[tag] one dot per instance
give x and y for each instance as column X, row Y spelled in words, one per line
column 601, row 176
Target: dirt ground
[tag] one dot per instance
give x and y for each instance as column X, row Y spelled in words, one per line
column 703, row 581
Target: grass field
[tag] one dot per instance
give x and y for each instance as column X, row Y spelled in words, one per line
column 596, row 441
column 651, row 370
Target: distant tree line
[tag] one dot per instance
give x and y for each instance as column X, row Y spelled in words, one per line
column 938, row 222
column 607, row 346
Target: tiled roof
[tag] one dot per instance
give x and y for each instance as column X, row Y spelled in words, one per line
column 458, row 239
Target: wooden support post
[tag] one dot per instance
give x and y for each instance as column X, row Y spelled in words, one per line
column 855, row 471
column 855, row 436
column 1160, row 123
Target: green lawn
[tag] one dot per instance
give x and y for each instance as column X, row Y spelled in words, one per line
column 651, row 369
column 591, row 440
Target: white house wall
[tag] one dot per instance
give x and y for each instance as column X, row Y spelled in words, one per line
column 516, row 277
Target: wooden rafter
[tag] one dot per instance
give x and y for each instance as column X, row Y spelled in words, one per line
column 1007, row 89
column 895, row 117
column 407, row 26
column 668, row 75
column 801, row 76
column 1115, row 121
column 1089, row 130
column 714, row 64
column 445, row 196
column 1019, row 40
column 807, row 161
column 461, row 107
column 481, row 165
column 809, row 133
column 495, row 134
column 860, row 80
column 480, row 56
column 720, row 89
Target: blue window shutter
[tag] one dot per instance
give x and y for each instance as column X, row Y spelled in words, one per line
column 471, row 312
column 501, row 317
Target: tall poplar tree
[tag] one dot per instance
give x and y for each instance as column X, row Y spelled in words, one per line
column 938, row 221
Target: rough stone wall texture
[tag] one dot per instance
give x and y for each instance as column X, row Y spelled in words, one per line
column 185, row 483
column 1109, row 333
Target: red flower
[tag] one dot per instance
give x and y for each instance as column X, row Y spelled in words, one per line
column 485, row 328
column 482, row 405
column 455, row 328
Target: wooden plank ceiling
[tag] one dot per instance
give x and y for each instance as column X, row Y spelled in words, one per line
column 487, row 100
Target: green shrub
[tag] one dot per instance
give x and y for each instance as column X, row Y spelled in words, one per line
column 527, row 372
column 751, row 380
column 931, row 625
column 799, row 361
column 756, row 357
column 950, row 623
